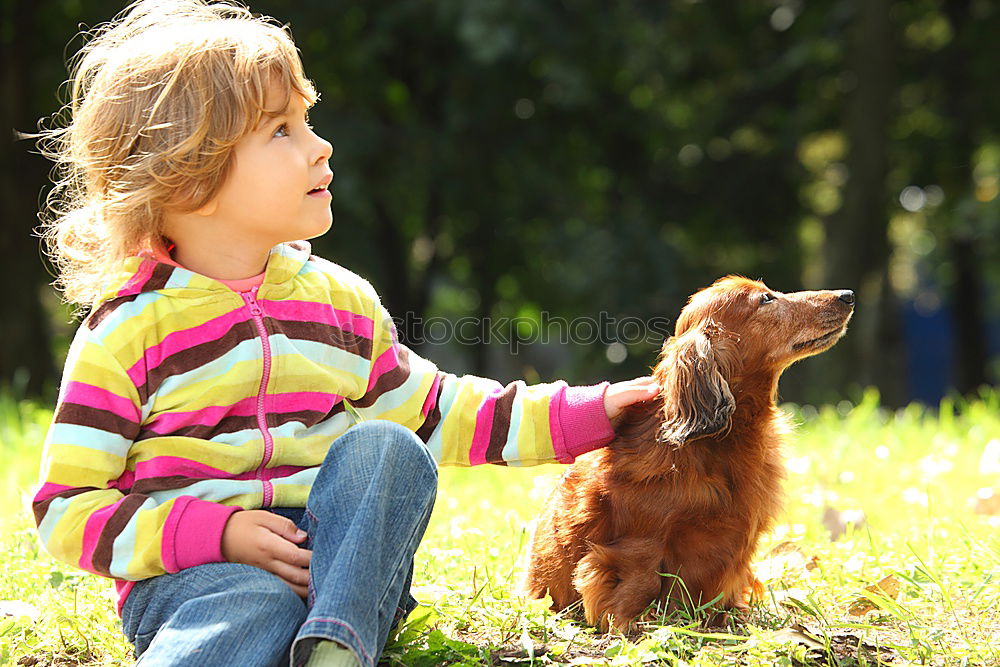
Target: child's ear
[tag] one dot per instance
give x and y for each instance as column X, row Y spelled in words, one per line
column 208, row 209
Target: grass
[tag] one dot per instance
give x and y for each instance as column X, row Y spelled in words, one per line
column 916, row 581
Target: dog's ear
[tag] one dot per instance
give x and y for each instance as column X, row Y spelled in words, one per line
column 694, row 370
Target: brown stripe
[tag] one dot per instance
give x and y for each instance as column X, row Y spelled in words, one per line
column 327, row 334
column 97, row 316
column 168, row 483
column 387, row 381
column 156, row 280
column 234, row 424
column 230, row 424
column 501, row 424
column 196, row 356
column 126, row 509
column 85, row 415
column 434, row 416
column 306, row 417
column 41, row 508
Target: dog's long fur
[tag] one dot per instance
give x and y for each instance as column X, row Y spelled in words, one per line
column 693, row 478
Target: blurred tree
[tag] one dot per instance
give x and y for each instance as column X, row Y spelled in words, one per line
column 25, row 353
column 505, row 159
column 856, row 252
column 970, row 233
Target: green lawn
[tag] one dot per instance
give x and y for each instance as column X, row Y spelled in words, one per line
column 919, row 476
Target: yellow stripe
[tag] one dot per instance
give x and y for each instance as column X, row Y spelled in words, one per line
column 95, row 366
column 71, row 465
column 459, row 425
column 147, row 558
column 290, row 495
column 409, row 413
column 66, row 541
column 233, row 459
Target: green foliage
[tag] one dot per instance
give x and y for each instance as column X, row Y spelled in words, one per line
column 914, row 473
column 495, row 158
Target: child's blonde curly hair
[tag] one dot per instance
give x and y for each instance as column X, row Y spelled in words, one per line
column 160, row 96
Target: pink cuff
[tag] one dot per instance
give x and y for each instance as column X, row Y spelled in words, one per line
column 193, row 533
column 578, row 421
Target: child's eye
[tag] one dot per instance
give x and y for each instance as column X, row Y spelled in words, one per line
column 282, row 130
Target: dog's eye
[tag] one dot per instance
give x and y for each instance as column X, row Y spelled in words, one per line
column 766, row 298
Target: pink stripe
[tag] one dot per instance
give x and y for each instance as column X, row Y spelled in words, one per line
column 169, row 539
column 102, row 399
column 49, row 490
column 386, row 362
column 307, row 311
column 124, row 588
column 124, row 481
column 184, row 339
column 317, row 401
column 280, row 472
column 92, row 533
column 168, row 422
column 431, row 399
column 555, row 425
column 169, row 466
column 484, row 425
column 296, row 401
column 142, row 274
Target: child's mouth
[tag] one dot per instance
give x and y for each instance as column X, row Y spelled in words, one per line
column 322, row 190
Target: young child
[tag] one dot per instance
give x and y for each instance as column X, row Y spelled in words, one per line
column 240, row 440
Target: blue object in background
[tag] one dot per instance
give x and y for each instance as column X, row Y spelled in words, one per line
column 930, row 340
column 929, row 333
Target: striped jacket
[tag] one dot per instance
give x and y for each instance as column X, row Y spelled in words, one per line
column 183, row 401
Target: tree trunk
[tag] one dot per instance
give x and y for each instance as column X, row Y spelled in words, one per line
column 971, row 349
column 970, row 344
column 856, row 253
column 25, row 354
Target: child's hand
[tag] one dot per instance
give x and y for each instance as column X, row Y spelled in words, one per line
column 622, row 394
column 268, row 541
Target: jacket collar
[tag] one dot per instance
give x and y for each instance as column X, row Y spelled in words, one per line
column 139, row 275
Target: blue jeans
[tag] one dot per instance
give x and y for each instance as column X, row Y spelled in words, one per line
column 365, row 516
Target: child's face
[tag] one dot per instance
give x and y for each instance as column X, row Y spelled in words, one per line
column 276, row 190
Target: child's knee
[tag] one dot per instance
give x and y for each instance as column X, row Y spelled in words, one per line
column 396, row 447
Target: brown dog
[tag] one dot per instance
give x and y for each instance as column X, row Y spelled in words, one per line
column 693, row 478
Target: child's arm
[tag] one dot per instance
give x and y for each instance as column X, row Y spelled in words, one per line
column 89, row 512
column 470, row 420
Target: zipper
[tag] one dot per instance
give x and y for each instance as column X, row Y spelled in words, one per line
column 250, row 299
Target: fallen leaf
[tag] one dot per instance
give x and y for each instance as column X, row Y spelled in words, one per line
column 888, row 587
column 799, row 634
column 987, row 502
column 837, row 521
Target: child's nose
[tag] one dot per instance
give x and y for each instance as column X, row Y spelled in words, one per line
column 325, row 149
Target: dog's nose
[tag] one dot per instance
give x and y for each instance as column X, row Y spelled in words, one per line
column 847, row 296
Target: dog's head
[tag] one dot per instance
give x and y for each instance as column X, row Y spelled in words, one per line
column 738, row 328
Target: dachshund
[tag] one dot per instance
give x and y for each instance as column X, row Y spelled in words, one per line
column 670, row 512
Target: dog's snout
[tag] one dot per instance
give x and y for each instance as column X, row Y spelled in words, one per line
column 847, row 296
